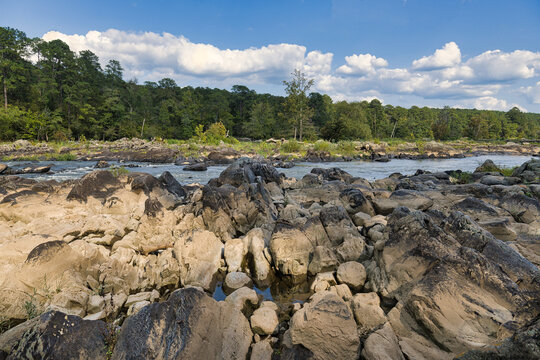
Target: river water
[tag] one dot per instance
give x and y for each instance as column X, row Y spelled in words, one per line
column 64, row 170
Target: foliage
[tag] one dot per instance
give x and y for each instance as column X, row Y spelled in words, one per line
column 65, row 95
column 321, row 145
column 291, row 146
column 346, row 147
column 119, row 171
column 31, row 306
column 462, row 177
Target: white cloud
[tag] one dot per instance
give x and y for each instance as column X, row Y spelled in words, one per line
column 491, row 103
column 361, row 64
column 500, row 66
column 148, row 51
column 448, row 56
column 532, row 93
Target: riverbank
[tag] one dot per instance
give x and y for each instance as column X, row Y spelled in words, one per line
column 425, row 266
column 281, row 152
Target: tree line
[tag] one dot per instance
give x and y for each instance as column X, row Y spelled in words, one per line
column 52, row 93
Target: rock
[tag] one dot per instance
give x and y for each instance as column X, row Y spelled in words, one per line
column 500, row 228
column 367, row 311
column 223, row 156
column 384, row 206
column 136, row 307
column 260, row 259
column 3, row 167
column 342, row 290
column 243, row 299
column 55, row 335
column 333, row 174
column 382, row 344
column 199, row 256
column 154, row 332
column 323, row 260
column 355, row 201
column 234, row 252
column 360, row 218
column 196, row 167
column 351, row 273
column 102, row 165
column 487, row 166
column 264, row 321
column 99, row 184
column 523, row 344
column 491, row 180
column 323, row 281
column 142, row 296
column 411, row 199
column 337, row 224
column 236, row 280
column 290, row 250
column 261, row 351
column 325, row 327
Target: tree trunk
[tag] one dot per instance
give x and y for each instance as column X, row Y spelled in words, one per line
column 142, row 128
column 295, row 133
column 5, row 91
column 301, row 128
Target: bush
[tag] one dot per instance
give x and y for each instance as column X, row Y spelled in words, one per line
column 321, row 145
column 291, row 146
column 346, row 147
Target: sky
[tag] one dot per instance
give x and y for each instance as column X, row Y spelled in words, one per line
column 482, row 54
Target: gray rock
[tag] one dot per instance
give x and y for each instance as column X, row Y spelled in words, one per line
column 236, row 280
column 351, row 273
column 209, row 330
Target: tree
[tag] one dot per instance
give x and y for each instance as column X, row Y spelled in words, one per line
column 262, row 121
column 14, row 47
column 296, row 103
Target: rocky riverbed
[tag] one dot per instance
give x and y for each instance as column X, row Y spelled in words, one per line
column 125, row 266
column 275, row 151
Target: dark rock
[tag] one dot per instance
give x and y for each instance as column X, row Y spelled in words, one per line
column 12, row 198
column 487, row 166
column 524, row 344
column 102, row 164
column 99, row 184
column 245, row 171
column 171, row 184
column 355, row 201
column 223, row 156
column 3, row 167
column 333, row 174
column 46, row 250
column 56, row 335
column 152, row 207
column 189, row 325
column 196, row 167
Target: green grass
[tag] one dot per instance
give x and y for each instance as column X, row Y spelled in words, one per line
column 347, row 148
column 507, row 171
column 321, row 145
column 463, row 177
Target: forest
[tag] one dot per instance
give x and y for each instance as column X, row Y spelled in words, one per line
column 51, row 93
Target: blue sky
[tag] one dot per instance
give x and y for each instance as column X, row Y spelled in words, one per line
column 466, row 53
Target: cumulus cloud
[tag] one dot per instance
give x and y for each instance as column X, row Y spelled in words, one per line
column 443, row 76
column 361, row 64
column 500, row 66
column 532, row 93
column 148, row 51
column 448, row 56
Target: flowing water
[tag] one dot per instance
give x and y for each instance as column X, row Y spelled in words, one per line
column 64, row 170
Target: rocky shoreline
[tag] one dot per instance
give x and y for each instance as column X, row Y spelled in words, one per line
column 137, row 150
column 124, row 266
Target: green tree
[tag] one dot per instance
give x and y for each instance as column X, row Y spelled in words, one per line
column 261, row 123
column 296, row 103
column 14, row 47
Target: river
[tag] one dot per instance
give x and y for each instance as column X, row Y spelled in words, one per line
column 64, row 170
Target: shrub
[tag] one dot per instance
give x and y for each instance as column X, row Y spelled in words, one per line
column 346, row 147
column 291, row 146
column 321, row 145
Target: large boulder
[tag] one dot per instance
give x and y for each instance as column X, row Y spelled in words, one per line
column 189, row 325
column 55, row 335
column 458, row 286
column 291, row 251
column 99, row 184
column 326, row 327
